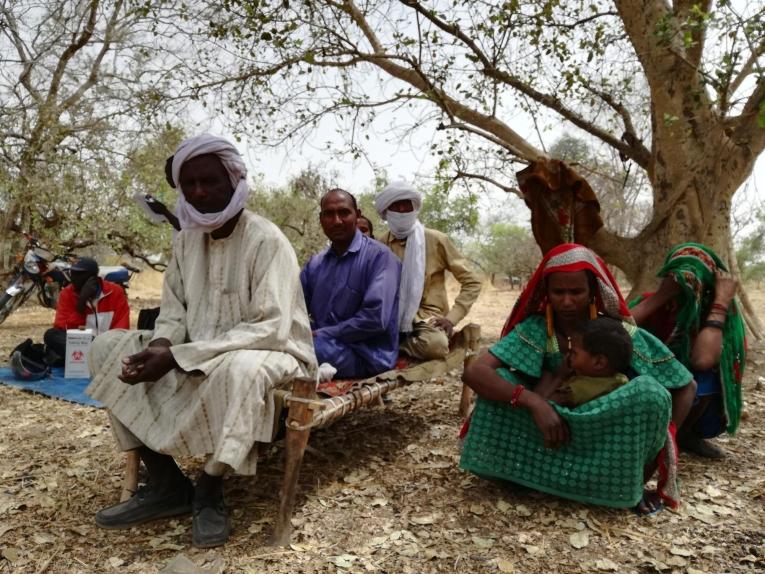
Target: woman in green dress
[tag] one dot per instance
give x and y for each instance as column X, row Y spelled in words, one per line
column 603, row 451
column 696, row 314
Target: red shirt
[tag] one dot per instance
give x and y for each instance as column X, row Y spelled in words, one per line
column 112, row 311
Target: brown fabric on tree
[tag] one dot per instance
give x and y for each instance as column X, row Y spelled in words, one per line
column 563, row 206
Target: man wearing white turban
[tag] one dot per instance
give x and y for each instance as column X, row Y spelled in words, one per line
column 232, row 326
column 425, row 320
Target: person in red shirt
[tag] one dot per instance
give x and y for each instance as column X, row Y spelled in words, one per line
column 89, row 302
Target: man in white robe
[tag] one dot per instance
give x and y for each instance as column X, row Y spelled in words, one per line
column 232, row 327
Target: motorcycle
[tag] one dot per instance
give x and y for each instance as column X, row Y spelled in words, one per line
column 42, row 271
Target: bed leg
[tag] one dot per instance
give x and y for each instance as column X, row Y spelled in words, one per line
column 472, row 339
column 299, row 417
column 130, row 482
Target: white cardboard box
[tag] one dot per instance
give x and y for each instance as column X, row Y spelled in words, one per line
column 77, row 346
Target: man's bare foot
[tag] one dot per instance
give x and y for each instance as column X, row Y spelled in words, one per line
column 650, row 503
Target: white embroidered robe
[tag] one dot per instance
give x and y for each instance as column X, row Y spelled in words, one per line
column 234, row 311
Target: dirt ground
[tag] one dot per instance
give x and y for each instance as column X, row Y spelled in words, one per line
column 381, row 491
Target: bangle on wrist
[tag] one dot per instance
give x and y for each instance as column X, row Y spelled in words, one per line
column 517, row 390
column 714, row 324
column 719, row 307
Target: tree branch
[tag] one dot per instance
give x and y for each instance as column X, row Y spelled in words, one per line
column 746, row 69
column 70, row 51
column 506, row 188
column 257, row 73
column 640, row 23
column 576, row 23
column 684, row 10
column 459, row 110
column 746, row 129
column 126, row 245
column 25, row 75
column 95, row 67
column 631, row 138
column 552, row 102
column 474, row 130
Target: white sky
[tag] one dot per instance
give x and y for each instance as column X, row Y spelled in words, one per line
column 411, row 160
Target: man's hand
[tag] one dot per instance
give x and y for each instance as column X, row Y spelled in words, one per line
column 88, row 291
column 444, row 324
column 149, row 365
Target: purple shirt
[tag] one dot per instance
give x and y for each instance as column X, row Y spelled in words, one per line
column 353, row 298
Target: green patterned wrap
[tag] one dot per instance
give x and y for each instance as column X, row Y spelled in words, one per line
column 693, row 267
column 612, row 437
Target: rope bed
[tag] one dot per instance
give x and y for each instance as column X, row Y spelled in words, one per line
column 307, row 410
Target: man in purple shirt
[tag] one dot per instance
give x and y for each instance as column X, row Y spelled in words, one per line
column 351, row 291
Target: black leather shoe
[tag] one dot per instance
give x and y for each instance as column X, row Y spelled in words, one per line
column 147, row 504
column 210, row 524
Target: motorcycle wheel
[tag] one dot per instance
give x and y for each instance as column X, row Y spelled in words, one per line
column 9, row 303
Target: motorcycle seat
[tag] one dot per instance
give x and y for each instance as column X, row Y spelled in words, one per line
column 115, row 274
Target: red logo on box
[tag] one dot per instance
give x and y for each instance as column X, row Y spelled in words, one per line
column 78, row 356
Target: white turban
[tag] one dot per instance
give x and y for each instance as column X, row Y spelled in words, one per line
column 229, row 156
column 396, row 191
column 406, row 226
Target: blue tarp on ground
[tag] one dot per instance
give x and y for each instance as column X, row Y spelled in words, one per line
column 55, row 385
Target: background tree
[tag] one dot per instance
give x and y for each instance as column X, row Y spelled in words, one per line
column 675, row 88
column 506, row 249
column 750, row 254
column 122, row 224
column 295, row 210
column 81, row 84
column 453, row 212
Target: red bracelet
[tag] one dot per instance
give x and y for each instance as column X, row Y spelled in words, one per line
column 719, row 307
column 517, row 390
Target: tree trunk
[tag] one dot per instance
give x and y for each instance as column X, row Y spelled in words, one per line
column 700, row 216
column 753, row 324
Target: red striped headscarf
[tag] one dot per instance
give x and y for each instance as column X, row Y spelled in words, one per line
column 569, row 258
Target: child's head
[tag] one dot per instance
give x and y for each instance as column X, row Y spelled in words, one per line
column 600, row 348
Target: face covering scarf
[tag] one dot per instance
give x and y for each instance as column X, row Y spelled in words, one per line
column 406, row 226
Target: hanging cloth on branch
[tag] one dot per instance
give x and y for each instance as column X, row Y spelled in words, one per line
column 563, row 206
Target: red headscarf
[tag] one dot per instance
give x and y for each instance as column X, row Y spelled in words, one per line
column 568, row 258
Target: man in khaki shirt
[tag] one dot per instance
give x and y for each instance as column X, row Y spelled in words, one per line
column 425, row 320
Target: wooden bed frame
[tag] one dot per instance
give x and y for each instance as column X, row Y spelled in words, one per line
column 306, row 411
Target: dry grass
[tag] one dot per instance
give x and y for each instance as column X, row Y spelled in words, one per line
column 381, row 492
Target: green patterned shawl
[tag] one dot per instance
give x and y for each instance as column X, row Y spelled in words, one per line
column 693, row 266
column 612, row 437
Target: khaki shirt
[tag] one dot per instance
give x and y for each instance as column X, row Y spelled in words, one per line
column 584, row 389
column 441, row 255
